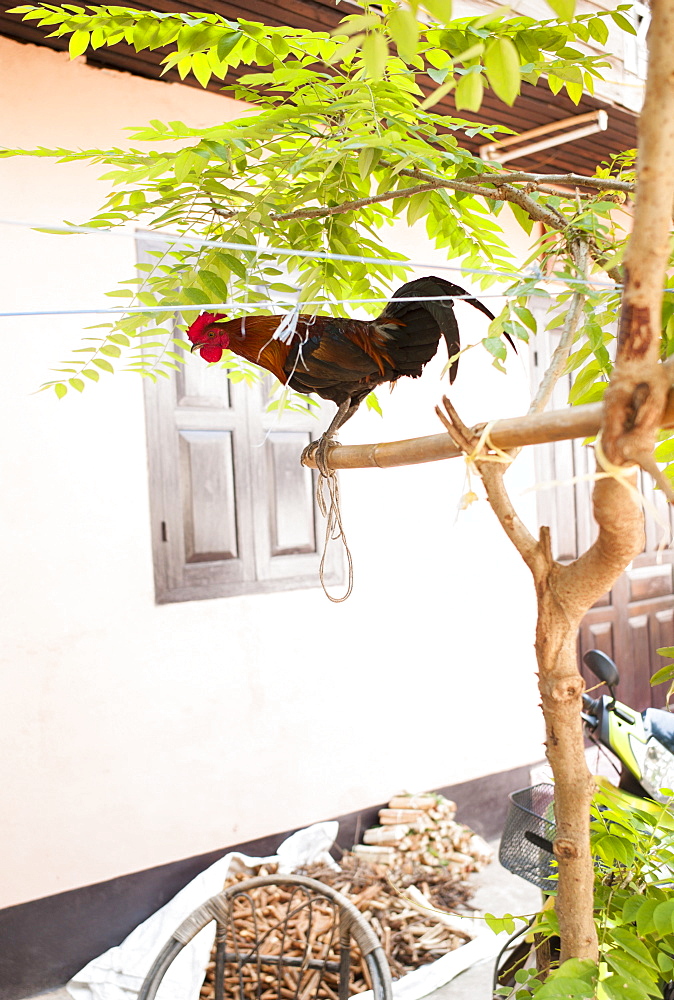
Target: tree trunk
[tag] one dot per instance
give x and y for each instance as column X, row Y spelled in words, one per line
column 636, row 396
column 564, row 595
column 561, row 688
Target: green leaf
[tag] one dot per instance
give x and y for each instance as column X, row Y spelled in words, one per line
column 630, row 970
column 586, row 378
column 235, row 265
column 438, row 58
column 439, row 75
column 496, row 347
column 574, row 90
column 632, row 906
column 598, row 29
column 663, row 674
column 372, row 403
column 103, row 364
column 555, row 83
column 357, row 23
column 615, row 988
column 623, row 850
column 665, row 651
column 214, row 284
column 469, row 92
column 498, row 924
column 195, row 296
column 665, row 963
column 76, row 383
column 502, row 66
column 187, row 161
column 663, row 917
column 564, row 9
column 523, row 217
column 527, row 317
column 375, row 54
column 592, row 395
column 438, row 94
column 60, row 389
column 644, row 918
column 79, row 43
column 367, row 156
column 201, row 68
column 227, row 43
column 565, row 988
column 404, row 30
column 577, row 968
column 630, row 943
column 440, row 10
column 418, row 206
column 263, row 55
column 345, row 50
column 623, row 22
column 664, row 452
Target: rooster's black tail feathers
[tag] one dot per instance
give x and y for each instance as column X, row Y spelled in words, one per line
column 423, row 318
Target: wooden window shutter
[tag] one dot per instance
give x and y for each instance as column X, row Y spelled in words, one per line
column 233, row 510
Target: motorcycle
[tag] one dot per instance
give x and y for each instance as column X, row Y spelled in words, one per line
column 643, row 743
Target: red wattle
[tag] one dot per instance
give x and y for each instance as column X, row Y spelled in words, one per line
column 210, row 352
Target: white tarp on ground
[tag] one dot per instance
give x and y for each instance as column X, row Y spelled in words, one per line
column 118, row 974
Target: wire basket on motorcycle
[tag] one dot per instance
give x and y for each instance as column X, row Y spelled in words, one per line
column 526, row 844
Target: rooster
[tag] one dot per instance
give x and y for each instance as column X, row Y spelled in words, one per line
column 344, row 359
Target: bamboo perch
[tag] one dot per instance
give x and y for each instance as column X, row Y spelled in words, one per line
column 513, row 432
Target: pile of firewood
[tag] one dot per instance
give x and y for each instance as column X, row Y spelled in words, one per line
column 421, row 830
column 274, row 917
column 406, row 880
column 407, row 910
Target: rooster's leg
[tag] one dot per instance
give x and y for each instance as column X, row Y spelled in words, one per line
column 318, row 450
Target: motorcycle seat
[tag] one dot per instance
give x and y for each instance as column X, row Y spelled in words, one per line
column 660, row 724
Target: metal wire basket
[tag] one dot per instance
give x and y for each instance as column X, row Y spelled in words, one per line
column 526, row 844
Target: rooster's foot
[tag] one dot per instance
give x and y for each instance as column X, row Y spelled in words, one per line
column 317, row 452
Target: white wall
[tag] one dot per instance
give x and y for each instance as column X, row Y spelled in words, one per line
column 133, row 735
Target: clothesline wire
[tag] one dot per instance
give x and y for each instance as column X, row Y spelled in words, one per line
column 169, row 240
column 248, row 306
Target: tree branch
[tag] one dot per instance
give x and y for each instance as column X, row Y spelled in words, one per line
column 492, row 472
column 520, row 176
column 621, row 538
column 554, row 371
column 505, row 192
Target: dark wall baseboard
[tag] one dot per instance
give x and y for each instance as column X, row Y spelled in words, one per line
column 43, row 943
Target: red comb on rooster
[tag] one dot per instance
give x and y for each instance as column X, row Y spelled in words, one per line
column 207, row 338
